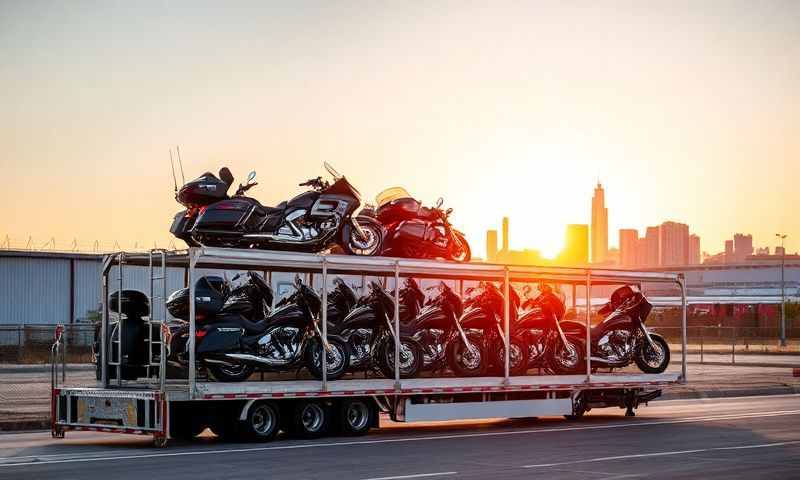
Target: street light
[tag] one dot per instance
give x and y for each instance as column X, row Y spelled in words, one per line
column 782, row 237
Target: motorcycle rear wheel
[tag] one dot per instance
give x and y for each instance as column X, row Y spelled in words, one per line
column 234, row 373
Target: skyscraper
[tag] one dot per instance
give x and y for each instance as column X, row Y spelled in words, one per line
column 628, row 247
column 576, row 245
column 491, row 245
column 694, row 250
column 599, row 225
column 673, row 244
column 651, row 254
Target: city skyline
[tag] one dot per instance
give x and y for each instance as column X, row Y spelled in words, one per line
column 515, row 109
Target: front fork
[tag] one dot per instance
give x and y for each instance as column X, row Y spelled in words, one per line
column 646, row 335
column 322, row 338
column 463, row 335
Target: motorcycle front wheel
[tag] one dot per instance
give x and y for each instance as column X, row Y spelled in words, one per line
column 517, row 358
column 569, row 359
column 370, row 245
column 337, row 359
column 465, row 361
column 464, row 254
column 411, row 358
column 650, row 359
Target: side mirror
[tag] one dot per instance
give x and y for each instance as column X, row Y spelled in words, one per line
column 439, row 202
column 251, row 177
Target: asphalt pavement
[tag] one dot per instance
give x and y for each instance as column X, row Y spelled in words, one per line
column 752, row 437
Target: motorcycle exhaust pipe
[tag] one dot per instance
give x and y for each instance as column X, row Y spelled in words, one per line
column 247, row 358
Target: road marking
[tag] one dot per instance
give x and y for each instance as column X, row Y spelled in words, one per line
column 418, row 475
column 662, row 454
column 657, row 403
column 407, row 439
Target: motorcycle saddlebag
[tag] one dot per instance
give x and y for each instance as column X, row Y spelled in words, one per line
column 219, row 338
column 225, row 215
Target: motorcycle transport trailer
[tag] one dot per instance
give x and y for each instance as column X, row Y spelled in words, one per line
column 157, row 402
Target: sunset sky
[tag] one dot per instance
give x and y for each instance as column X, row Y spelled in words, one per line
column 685, row 111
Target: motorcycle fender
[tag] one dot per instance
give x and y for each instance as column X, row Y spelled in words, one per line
column 360, row 317
column 571, row 327
column 221, row 338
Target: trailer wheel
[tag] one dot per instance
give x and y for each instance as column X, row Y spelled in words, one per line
column 579, row 408
column 310, row 419
column 262, row 422
column 354, row 416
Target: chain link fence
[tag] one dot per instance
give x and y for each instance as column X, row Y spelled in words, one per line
column 721, row 343
column 31, row 343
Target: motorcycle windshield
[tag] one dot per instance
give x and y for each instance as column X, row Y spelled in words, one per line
column 391, row 194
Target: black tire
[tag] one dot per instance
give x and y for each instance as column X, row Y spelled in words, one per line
column 225, row 422
column 650, row 361
column 310, row 419
column 518, row 360
column 372, row 246
column 261, row 423
column 353, row 416
column 465, row 363
column 569, row 360
column 411, row 358
column 579, row 408
column 236, row 373
column 466, row 253
column 338, row 359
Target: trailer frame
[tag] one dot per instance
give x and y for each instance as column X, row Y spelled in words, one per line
column 145, row 406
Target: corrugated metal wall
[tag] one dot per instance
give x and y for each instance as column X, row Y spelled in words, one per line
column 34, row 291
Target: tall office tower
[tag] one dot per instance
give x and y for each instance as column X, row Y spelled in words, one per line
column 652, row 257
column 599, row 225
column 576, row 245
column 694, row 250
column 628, row 247
column 491, row 245
column 729, row 256
column 742, row 246
column 641, row 252
column 505, row 234
column 673, row 244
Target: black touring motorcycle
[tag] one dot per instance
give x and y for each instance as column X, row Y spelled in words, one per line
column 622, row 338
column 232, row 346
column 322, row 217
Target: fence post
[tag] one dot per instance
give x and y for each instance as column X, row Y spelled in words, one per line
column 701, row 344
column 20, row 343
column 733, row 346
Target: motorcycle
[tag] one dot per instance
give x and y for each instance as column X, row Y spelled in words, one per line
column 622, row 338
column 320, row 218
column 414, row 231
column 549, row 347
column 370, row 333
column 233, row 347
column 484, row 314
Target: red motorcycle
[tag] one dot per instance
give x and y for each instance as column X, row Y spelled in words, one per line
column 415, row 231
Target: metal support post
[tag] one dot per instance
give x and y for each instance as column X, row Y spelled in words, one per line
column 397, row 385
column 702, row 331
column 324, row 353
column 120, row 318
column 506, row 316
column 684, row 339
column 194, row 254
column 104, row 324
column 588, row 326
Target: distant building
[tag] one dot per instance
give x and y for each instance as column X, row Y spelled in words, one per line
column 576, row 245
column 651, row 247
column 613, row 257
column 694, row 250
column 641, row 252
column 779, row 250
column 673, row 244
column 729, row 256
column 491, row 245
column 599, row 225
column 628, row 247
column 742, row 246
column 762, row 251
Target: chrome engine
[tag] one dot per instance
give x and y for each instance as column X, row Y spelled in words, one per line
column 281, row 344
column 615, row 345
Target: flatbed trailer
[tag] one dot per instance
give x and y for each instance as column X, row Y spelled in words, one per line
column 167, row 407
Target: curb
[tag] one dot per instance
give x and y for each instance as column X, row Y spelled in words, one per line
column 747, row 364
column 730, row 392
column 44, row 368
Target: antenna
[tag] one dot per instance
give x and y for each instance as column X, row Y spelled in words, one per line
column 172, row 166
column 180, row 163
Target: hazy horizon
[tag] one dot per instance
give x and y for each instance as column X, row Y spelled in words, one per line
column 684, row 111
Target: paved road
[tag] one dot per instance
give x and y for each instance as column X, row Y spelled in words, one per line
column 720, row 438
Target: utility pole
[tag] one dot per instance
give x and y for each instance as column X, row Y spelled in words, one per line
column 782, row 237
